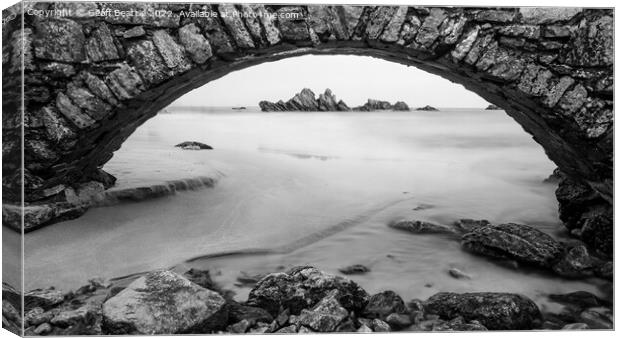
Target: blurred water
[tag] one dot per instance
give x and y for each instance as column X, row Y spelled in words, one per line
column 314, row 188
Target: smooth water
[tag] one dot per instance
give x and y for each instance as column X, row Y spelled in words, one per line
column 318, row 189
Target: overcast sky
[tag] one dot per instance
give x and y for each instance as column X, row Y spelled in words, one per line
column 353, row 79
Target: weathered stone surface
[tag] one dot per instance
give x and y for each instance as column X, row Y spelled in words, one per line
column 172, row 53
column 577, row 263
column 100, row 45
column 148, row 62
column 73, row 112
column 232, row 20
column 429, row 31
column 545, row 15
column 515, row 241
column 162, row 302
column 124, row 82
column 99, row 88
column 91, row 104
column 59, row 40
column 56, row 128
column 43, row 298
column 495, row 311
column 269, row 23
column 325, row 315
column 499, row 16
column 195, row 43
column 459, row 324
column 381, row 305
column 302, row 288
column 21, row 46
column 292, row 25
column 134, row 32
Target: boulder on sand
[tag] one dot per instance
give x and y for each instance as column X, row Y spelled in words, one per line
column 163, row 302
column 495, row 311
column 513, row 241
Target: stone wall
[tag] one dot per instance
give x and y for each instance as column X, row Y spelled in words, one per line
column 91, row 81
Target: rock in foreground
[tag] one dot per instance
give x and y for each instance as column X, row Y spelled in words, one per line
column 303, row 287
column 163, row 302
column 496, row 311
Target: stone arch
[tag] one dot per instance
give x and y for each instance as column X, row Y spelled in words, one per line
column 92, row 77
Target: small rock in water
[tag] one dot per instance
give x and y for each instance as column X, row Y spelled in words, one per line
column 423, row 206
column 458, row 274
column 355, row 269
column 576, row 326
column 193, row 145
column 420, row 227
column 580, row 299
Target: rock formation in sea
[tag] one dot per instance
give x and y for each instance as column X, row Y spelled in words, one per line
column 193, row 145
column 373, row 104
column 427, row 108
column 306, row 101
column 492, row 107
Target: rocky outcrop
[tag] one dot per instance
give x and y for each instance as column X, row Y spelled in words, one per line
column 163, row 302
column 372, row 105
column 496, row 311
column 492, row 107
column 586, row 215
column 90, row 81
column 427, row 108
column 306, row 101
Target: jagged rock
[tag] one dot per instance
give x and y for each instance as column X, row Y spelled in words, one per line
column 420, row 227
column 513, row 241
column 303, row 287
column 193, row 145
column 427, row 108
column 582, row 208
column 373, row 104
column 364, row 329
column 381, row 305
column 288, row 329
column 163, row 302
column 459, row 324
column 325, row 315
column 355, row 269
column 492, row 107
column 11, row 318
column 554, row 177
column 576, row 263
column 495, row 311
column 43, row 298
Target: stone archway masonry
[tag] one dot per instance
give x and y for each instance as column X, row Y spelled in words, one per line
column 91, row 80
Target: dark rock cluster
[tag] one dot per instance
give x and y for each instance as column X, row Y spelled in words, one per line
column 306, row 101
column 301, row 300
column 427, row 108
column 520, row 244
column 492, row 107
column 373, row 104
